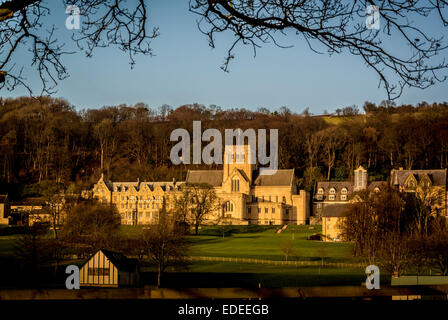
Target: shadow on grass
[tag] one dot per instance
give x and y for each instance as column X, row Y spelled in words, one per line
column 231, row 230
column 250, row 280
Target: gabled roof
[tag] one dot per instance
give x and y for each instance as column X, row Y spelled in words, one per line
column 212, row 177
column 118, row 259
column 335, row 210
column 282, row 178
column 374, row 184
column 437, row 176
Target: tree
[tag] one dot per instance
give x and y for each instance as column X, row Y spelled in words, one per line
column 333, row 139
column 328, row 25
column 32, row 249
column 197, row 203
column 109, row 23
column 54, row 196
column 164, row 245
column 287, row 248
column 334, row 26
column 92, row 223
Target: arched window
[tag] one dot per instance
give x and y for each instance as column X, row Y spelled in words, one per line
column 332, row 191
column 228, row 206
column 235, row 185
column 344, row 191
column 320, row 191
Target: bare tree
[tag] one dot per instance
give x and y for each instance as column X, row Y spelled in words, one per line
column 55, row 202
column 287, row 248
column 197, row 203
column 164, row 245
column 105, row 23
column 336, row 27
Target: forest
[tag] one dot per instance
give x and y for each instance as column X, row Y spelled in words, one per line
column 49, row 139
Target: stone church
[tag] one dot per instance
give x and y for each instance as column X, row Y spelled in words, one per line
column 245, row 196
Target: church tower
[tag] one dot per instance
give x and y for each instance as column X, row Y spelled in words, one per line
column 360, row 179
column 240, row 157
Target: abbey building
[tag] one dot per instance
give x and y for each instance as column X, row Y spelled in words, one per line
column 245, row 196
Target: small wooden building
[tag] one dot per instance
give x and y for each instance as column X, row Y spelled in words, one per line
column 109, row 269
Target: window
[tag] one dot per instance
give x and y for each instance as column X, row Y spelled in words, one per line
column 287, row 211
column 284, row 199
column 228, row 206
column 319, row 197
column 320, row 191
column 273, row 210
column 259, row 210
column 235, row 185
column 331, row 197
column 140, row 205
column 276, row 198
column 249, row 210
column 115, row 198
column 266, row 210
column 122, row 198
column 148, row 215
column 98, row 271
column 344, row 197
column 332, row 191
column 344, row 191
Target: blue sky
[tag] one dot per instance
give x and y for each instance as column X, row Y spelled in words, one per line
column 186, row 70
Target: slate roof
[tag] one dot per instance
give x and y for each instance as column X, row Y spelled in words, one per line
column 379, row 184
column 124, row 186
column 335, row 210
column 120, row 260
column 337, row 185
column 438, row 176
column 212, row 177
column 282, row 178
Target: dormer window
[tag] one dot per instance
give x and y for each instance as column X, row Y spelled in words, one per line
column 320, row 191
column 376, row 190
column 344, row 191
column 332, row 191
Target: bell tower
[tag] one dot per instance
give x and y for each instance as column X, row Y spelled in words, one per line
column 360, row 179
column 241, row 157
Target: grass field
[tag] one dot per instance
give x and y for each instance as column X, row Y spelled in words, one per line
column 260, row 242
column 256, row 242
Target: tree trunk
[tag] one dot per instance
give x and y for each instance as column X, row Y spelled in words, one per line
column 159, row 274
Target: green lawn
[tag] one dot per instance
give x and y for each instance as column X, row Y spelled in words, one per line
column 263, row 243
